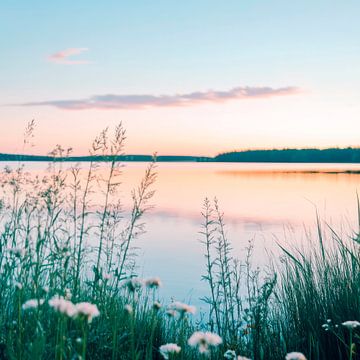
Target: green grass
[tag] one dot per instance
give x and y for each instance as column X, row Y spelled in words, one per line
column 65, row 233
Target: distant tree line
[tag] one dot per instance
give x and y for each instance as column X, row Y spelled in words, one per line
column 15, row 157
column 331, row 155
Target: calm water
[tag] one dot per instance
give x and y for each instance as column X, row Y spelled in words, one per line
column 265, row 202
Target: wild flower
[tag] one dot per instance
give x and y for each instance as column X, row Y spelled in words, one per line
column 204, row 340
column 326, row 327
column 171, row 313
column 65, row 307
column 295, row 356
column 32, row 304
column 169, row 349
column 134, row 284
column 230, row 355
column 182, row 308
column 128, row 308
column 157, row 306
column 351, row 324
column 152, row 283
column 87, row 310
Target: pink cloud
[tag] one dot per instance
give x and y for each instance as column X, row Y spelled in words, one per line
column 111, row 101
column 62, row 57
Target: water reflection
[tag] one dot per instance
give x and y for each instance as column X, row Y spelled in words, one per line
column 266, row 202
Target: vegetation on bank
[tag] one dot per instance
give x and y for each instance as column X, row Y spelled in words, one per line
column 69, row 286
column 103, row 158
column 330, row 155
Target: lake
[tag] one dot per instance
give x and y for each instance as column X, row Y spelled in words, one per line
column 269, row 203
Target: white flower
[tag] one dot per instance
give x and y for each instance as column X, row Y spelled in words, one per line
column 89, row 311
column 351, row 324
column 168, row 349
column 295, row 356
column 65, row 307
column 18, row 285
column 204, row 340
column 326, row 327
column 182, row 308
column 134, row 284
column 128, row 308
column 152, row 283
column 230, row 355
column 32, row 304
column 170, row 313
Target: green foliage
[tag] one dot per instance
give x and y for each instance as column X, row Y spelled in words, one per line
column 331, row 155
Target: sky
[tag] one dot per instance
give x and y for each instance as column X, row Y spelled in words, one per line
column 190, row 77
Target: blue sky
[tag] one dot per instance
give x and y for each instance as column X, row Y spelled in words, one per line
column 180, row 47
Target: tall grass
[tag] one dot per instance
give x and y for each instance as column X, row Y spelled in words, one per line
column 67, row 239
column 69, row 288
column 239, row 295
column 301, row 303
column 319, row 289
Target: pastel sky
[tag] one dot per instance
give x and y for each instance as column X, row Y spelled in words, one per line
column 186, row 77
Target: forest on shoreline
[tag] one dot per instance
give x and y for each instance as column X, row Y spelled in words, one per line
column 329, row 155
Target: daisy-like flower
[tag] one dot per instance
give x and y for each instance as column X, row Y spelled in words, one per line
column 169, row 349
column 153, row 283
column 203, row 341
column 65, row 307
column 170, row 313
column 18, row 285
column 134, row 284
column 182, row 308
column 128, row 308
column 230, row 355
column 295, row 356
column 87, row 310
column 351, row 324
column 32, row 304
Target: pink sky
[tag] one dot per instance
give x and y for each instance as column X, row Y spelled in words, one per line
column 207, row 128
